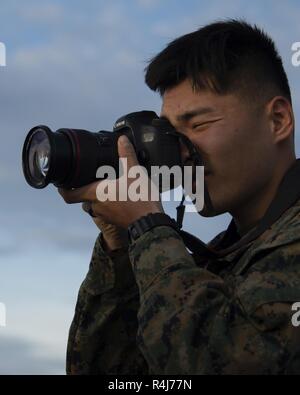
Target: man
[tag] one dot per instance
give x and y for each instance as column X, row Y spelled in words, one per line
column 148, row 305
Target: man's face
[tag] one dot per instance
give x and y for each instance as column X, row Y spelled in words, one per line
column 233, row 138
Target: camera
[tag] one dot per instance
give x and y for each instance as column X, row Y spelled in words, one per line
column 69, row 158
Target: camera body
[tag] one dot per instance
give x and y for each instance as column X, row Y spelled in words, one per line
column 69, row 158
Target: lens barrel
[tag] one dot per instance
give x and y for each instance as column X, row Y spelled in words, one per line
column 68, row 158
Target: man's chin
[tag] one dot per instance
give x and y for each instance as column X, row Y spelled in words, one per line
column 210, row 211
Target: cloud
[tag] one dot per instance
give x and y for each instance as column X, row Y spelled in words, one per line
column 19, row 356
column 81, row 65
column 112, row 17
column 41, row 13
column 7, row 243
column 36, row 58
column 69, row 238
column 150, row 4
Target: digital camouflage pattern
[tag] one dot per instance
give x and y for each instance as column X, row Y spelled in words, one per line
column 155, row 310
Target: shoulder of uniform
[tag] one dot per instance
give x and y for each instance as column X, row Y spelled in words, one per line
column 285, row 230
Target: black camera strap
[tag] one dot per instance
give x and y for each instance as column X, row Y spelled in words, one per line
column 195, row 245
column 180, row 212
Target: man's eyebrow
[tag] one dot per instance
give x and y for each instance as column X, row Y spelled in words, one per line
column 188, row 115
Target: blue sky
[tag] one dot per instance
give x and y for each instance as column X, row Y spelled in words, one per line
column 80, row 64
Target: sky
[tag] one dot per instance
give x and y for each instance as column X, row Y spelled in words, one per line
column 81, row 64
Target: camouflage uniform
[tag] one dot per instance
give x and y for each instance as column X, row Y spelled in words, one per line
column 158, row 309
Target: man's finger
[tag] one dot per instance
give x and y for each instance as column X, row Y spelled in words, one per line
column 78, row 195
column 126, row 150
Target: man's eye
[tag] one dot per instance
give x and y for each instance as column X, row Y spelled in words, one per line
column 201, row 125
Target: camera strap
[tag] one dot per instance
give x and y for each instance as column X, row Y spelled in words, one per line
column 180, row 212
column 195, row 245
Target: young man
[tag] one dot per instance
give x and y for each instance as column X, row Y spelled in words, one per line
column 150, row 306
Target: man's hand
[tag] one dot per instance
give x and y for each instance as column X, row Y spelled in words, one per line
column 118, row 213
column 114, row 237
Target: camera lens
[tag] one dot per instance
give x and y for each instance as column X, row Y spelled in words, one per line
column 67, row 158
column 70, row 158
column 37, row 157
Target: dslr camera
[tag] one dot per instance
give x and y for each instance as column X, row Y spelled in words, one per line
column 69, row 158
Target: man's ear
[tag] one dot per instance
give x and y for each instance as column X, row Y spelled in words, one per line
column 281, row 118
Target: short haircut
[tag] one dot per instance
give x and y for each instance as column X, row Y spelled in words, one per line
column 229, row 56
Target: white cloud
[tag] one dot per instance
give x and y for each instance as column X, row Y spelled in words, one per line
column 48, row 283
column 18, row 356
column 7, row 242
column 127, row 58
column 112, row 16
column 47, row 55
column 41, row 13
column 150, row 4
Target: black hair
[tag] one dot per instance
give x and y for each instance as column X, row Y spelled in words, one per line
column 224, row 56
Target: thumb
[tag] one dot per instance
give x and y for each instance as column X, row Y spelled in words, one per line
column 126, row 150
